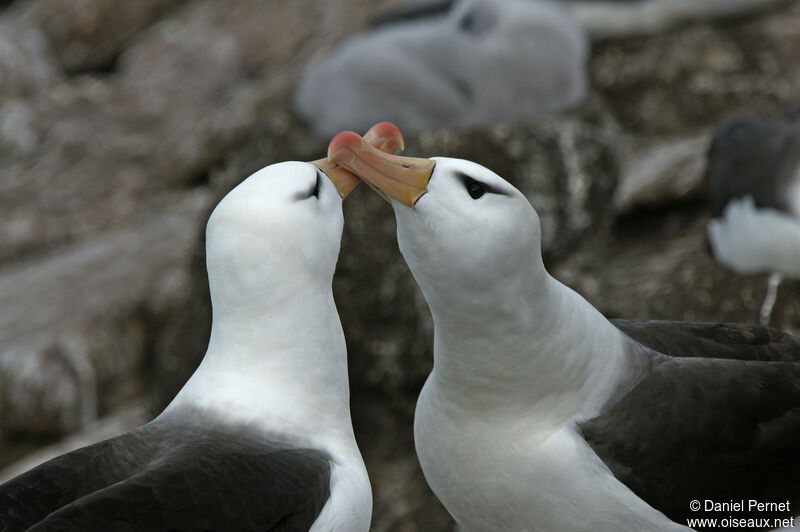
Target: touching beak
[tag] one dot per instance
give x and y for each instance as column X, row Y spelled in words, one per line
column 383, row 136
column 403, row 178
column 342, row 179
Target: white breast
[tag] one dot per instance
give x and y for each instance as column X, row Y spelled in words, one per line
column 752, row 240
column 517, row 475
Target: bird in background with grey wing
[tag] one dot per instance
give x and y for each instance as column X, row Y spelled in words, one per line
column 753, row 176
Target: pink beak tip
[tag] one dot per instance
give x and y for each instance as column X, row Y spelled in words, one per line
column 346, row 140
column 386, row 129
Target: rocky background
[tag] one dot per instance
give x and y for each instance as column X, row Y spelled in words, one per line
column 122, row 123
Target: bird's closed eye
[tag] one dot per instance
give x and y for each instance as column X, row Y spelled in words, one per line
column 315, row 191
column 312, row 192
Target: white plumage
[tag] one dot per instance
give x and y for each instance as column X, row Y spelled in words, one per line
column 752, row 240
column 277, row 359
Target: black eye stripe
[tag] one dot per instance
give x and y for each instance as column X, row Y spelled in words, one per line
column 472, row 183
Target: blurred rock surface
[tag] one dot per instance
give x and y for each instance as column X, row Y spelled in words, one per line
column 76, row 333
column 125, row 419
column 626, row 18
column 701, row 74
column 668, row 171
column 107, row 177
column 27, row 63
column 90, row 34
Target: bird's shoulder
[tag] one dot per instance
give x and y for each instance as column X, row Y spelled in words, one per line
column 739, row 341
column 695, row 428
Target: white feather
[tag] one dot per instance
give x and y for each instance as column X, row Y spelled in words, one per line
column 755, row 240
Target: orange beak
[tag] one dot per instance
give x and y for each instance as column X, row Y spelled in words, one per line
column 402, row 178
column 383, row 136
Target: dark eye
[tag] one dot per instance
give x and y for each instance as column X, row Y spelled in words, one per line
column 475, row 189
column 477, row 21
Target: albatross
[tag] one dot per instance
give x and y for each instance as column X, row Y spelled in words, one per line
column 260, row 437
column 465, row 62
column 754, row 187
column 540, row 414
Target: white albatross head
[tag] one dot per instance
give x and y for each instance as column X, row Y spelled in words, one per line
column 282, row 227
column 272, row 244
column 466, row 233
column 283, row 222
column 507, row 335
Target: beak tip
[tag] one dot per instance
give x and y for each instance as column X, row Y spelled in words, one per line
column 393, row 138
column 387, row 129
column 343, row 140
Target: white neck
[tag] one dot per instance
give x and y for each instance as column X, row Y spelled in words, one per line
column 514, row 371
column 281, row 367
column 545, row 352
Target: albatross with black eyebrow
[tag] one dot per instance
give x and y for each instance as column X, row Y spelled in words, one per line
column 541, row 414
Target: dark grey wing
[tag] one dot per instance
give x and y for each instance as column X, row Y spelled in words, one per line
column 753, row 157
column 168, row 476
column 33, row 495
column 738, row 341
column 206, row 480
column 282, row 490
column 697, row 429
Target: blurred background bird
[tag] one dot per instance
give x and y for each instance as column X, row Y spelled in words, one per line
column 123, row 123
column 754, row 189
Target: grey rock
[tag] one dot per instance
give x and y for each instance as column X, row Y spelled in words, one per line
column 228, row 59
column 109, row 426
column 89, row 35
column 77, row 160
column 75, row 336
column 667, row 171
column 604, row 19
column 27, row 64
column 48, row 388
column 187, row 62
column 658, row 266
column 699, row 75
